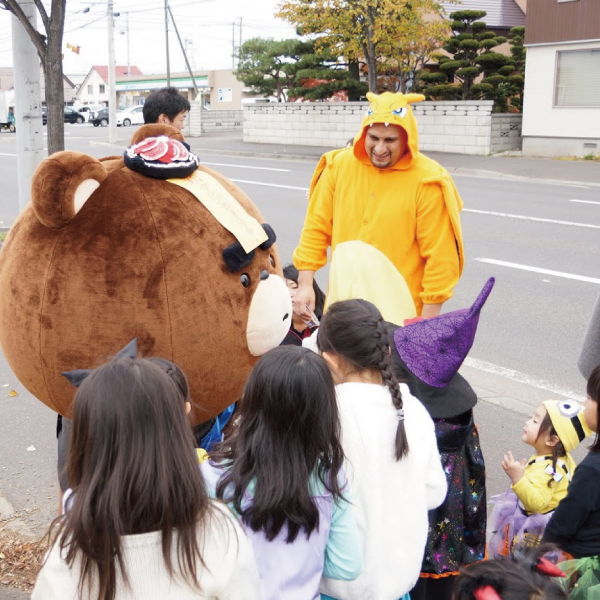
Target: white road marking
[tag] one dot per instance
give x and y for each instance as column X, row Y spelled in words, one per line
column 286, row 187
column 525, row 218
column 216, row 164
column 3, row 154
column 521, row 378
column 585, row 201
column 512, row 265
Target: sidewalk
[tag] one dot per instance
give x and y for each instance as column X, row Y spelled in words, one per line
column 579, row 172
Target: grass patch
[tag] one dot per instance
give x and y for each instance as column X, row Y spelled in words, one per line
column 3, row 235
column 592, row 156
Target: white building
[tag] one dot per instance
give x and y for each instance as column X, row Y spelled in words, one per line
column 94, row 89
column 561, row 109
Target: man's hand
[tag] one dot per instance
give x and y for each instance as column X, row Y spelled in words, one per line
column 431, row 310
column 304, row 295
column 514, row 469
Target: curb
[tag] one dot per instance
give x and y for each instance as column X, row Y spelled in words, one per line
column 14, row 523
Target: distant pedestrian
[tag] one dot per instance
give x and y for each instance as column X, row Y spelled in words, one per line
column 166, row 106
column 139, row 523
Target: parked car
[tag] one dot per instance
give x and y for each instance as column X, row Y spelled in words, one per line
column 89, row 110
column 132, row 115
column 99, row 118
column 71, row 116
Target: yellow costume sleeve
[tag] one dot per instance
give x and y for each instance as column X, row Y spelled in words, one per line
column 311, row 253
column 533, row 489
column 438, row 244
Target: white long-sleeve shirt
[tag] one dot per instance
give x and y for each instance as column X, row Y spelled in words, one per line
column 391, row 497
column 230, row 572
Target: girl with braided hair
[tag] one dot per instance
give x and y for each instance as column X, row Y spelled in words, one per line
column 392, row 460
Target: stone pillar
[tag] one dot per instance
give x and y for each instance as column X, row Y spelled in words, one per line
column 194, row 120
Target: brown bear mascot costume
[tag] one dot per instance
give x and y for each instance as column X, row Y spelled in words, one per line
column 149, row 245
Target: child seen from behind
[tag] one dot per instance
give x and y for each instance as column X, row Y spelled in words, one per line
column 281, row 472
column 393, row 463
column 139, row 523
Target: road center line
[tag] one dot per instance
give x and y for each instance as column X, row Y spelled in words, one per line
column 275, row 185
column 521, row 378
column 585, row 201
column 216, row 164
column 525, row 218
column 512, row 265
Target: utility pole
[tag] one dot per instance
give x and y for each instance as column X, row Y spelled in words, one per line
column 233, row 45
column 167, row 42
column 128, row 55
column 112, row 80
column 187, row 62
column 28, row 112
column 240, row 44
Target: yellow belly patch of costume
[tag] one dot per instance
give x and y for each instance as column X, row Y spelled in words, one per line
column 359, row 270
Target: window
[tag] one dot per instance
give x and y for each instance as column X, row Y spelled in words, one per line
column 90, row 89
column 577, row 78
column 102, row 88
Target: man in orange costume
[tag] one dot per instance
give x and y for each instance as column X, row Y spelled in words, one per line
column 391, row 216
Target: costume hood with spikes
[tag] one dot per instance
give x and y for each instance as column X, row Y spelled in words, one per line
column 390, row 109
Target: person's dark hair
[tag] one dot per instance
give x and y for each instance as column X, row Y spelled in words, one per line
column 593, row 391
column 558, row 451
column 166, row 101
column 288, row 433
column 133, row 470
column 175, row 373
column 356, row 331
column 290, row 272
column 518, row 578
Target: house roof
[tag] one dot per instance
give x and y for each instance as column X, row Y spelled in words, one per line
column 500, row 13
column 119, row 71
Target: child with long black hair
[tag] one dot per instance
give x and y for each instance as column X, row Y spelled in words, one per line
column 281, row 472
column 139, row 523
column 575, row 524
column 389, row 441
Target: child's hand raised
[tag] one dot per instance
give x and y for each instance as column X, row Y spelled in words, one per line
column 513, row 468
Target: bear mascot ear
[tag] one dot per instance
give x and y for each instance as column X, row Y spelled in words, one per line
column 62, row 184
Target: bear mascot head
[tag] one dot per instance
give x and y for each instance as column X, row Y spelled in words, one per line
column 149, row 245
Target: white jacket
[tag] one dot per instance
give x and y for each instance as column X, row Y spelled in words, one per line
column 229, row 574
column 391, row 497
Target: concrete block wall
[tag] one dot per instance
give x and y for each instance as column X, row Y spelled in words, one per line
column 222, row 120
column 506, row 132
column 459, row 126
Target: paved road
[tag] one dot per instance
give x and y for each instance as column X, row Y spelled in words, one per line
column 545, row 247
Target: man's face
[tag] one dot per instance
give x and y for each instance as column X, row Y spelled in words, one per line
column 385, row 144
column 178, row 121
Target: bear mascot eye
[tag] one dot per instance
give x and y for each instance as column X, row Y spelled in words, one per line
column 245, row 279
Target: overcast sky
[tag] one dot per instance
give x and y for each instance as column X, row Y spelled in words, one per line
column 206, row 24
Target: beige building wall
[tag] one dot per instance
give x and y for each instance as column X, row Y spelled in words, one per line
column 226, row 92
column 7, row 81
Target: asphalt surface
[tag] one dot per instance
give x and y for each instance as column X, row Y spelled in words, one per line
column 533, row 213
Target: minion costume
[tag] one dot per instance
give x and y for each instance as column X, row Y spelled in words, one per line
column 523, row 513
column 395, row 232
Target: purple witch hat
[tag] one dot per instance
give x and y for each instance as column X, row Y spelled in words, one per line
column 434, row 349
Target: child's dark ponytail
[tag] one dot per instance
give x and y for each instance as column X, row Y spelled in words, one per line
column 356, row 331
column 387, row 373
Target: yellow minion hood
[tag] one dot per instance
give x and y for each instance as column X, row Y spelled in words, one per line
column 390, row 109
